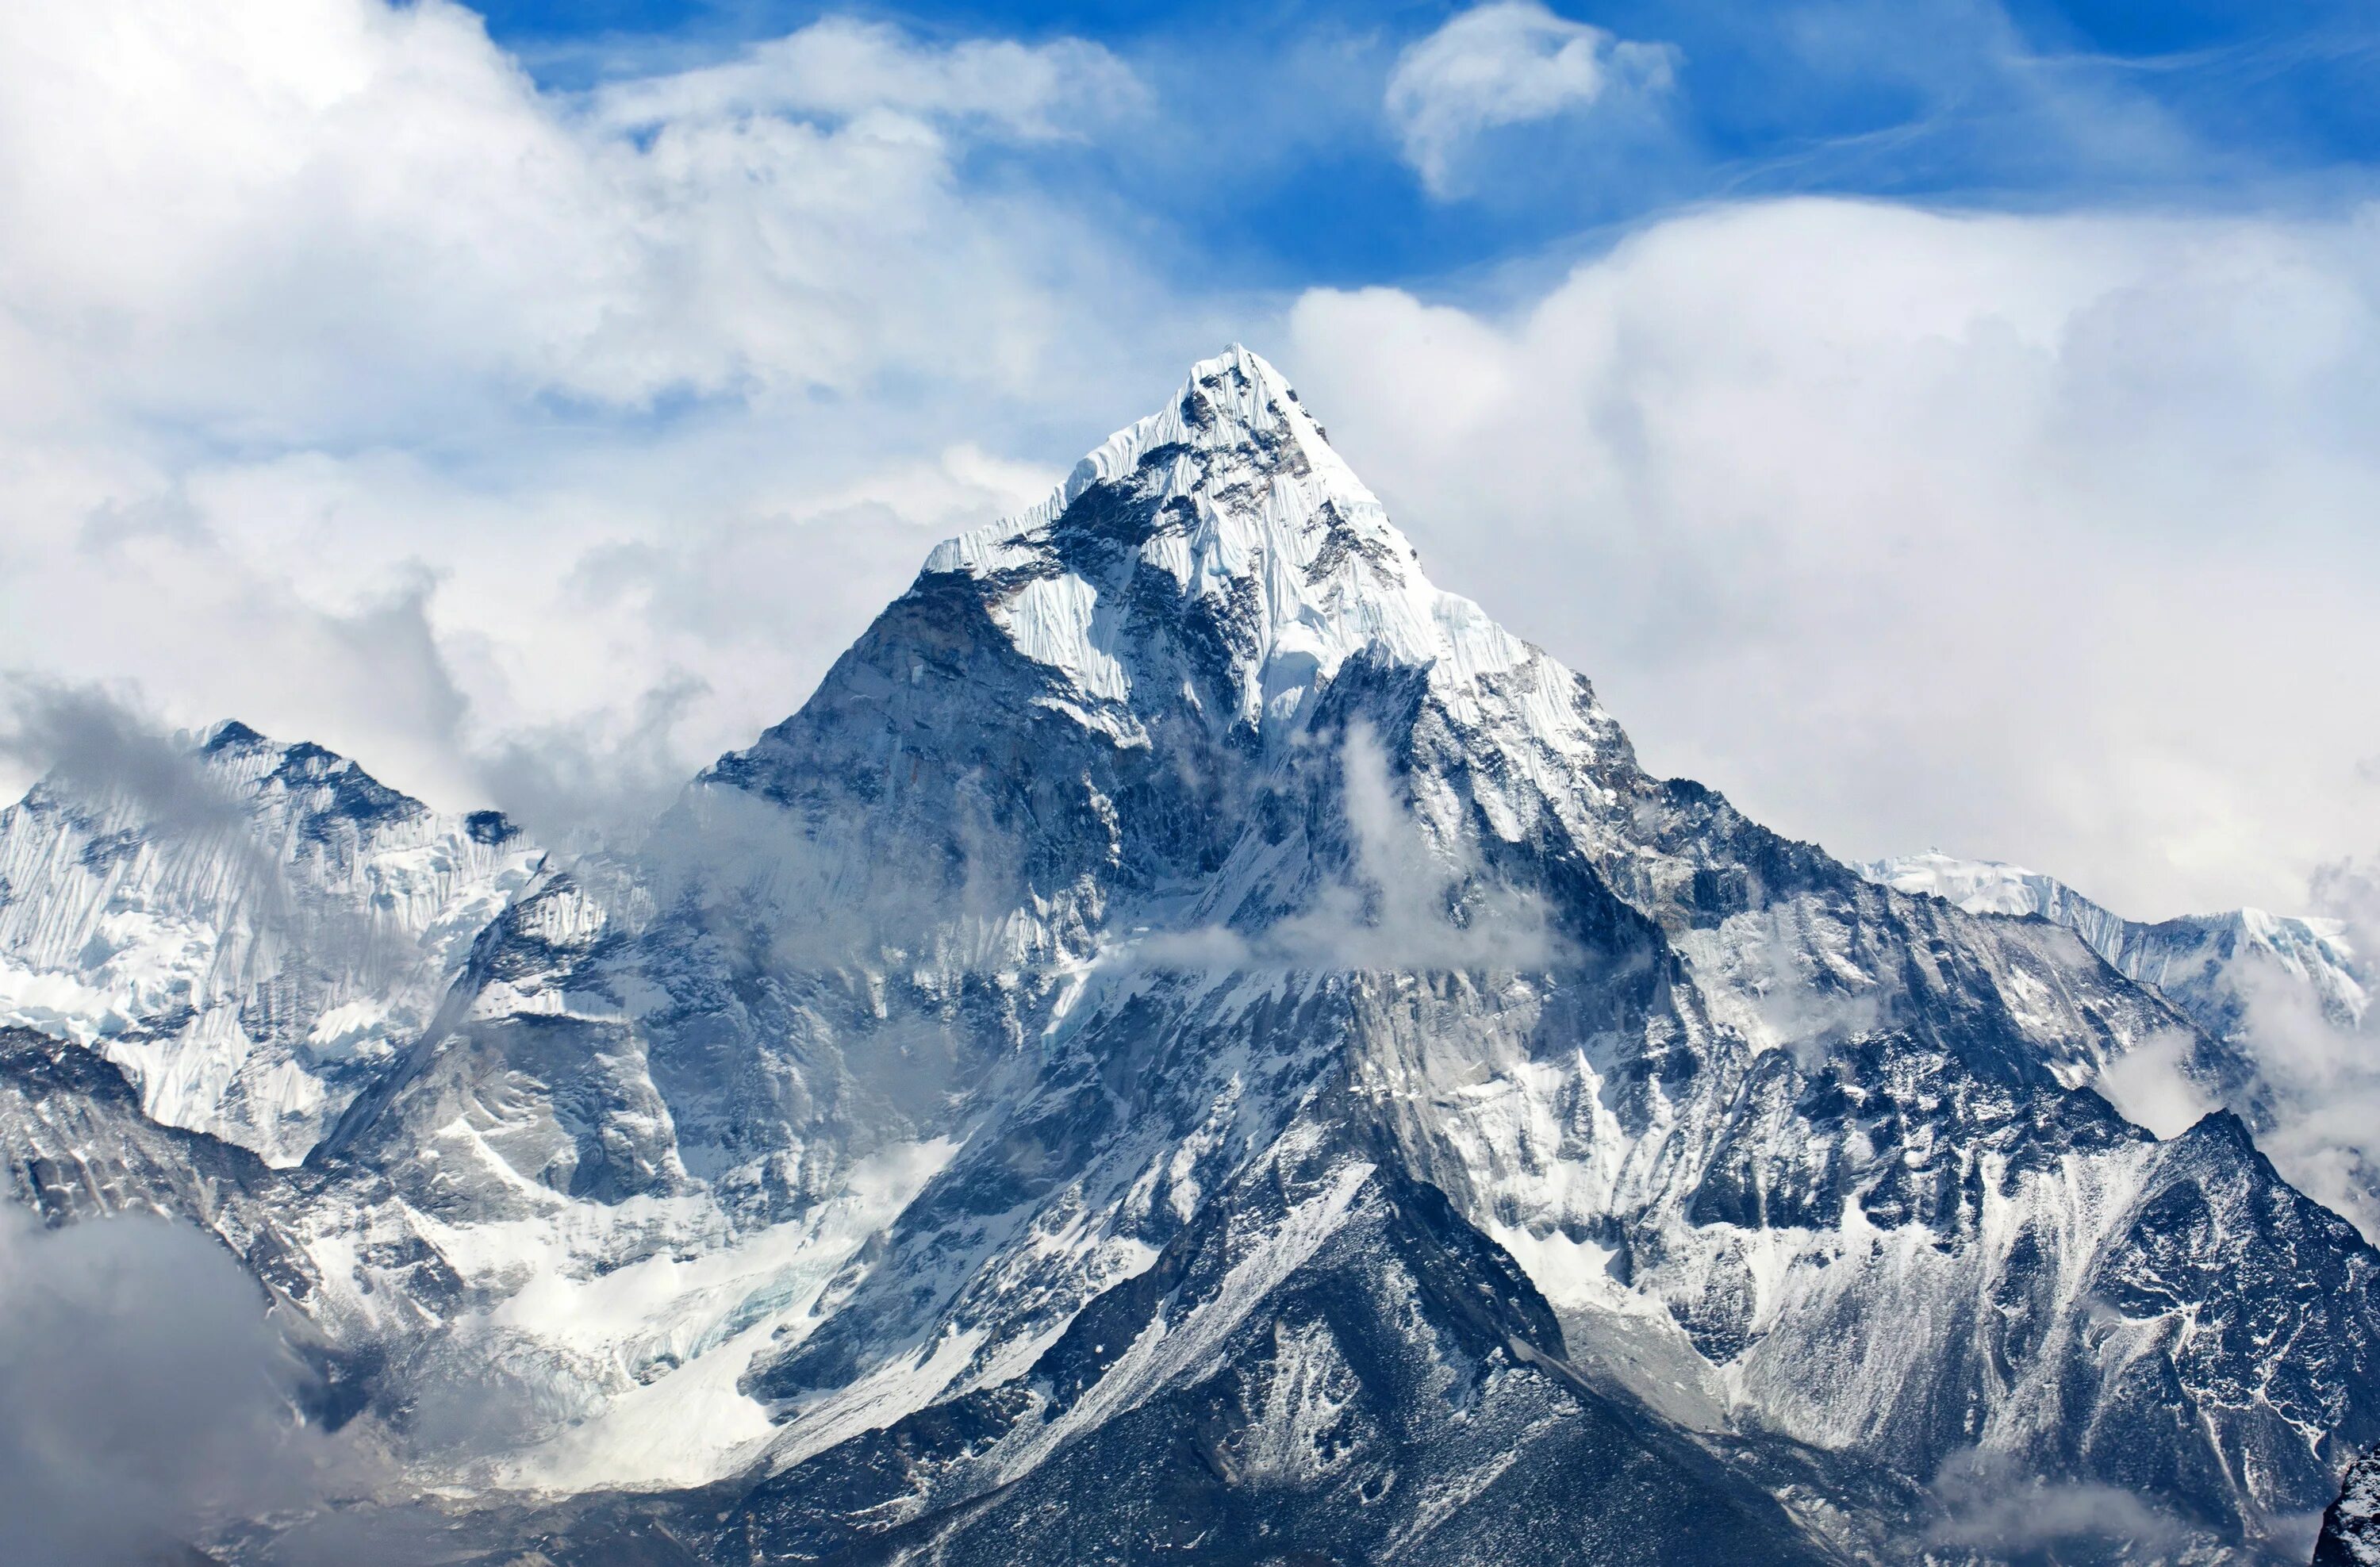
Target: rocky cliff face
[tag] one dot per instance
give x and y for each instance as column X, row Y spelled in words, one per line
column 1196, row 1039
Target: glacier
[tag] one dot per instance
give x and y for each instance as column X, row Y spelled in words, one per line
column 1193, row 1040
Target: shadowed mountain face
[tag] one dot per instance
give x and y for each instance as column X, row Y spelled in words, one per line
column 1195, row 1041
column 2350, row 1529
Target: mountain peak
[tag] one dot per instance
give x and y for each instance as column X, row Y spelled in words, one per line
column 248, row 929
column 230, row 735
column 1231, row 491
column 1234, row 405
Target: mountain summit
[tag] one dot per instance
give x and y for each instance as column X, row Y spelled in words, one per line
column 1193, row 1040
column 250, row 929
column 1234, row 495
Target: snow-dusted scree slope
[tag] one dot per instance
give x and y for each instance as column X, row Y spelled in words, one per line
column 1195, row 1043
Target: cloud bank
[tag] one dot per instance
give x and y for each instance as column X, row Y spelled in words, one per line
column 2043, row 539
column 142, row 1394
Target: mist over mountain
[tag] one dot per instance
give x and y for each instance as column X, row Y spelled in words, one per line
column 1192, row 1041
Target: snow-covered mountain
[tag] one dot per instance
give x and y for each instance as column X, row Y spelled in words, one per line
column 2213, row 966
column 249, row 936
column 2288, row 999
column 1194, row 1040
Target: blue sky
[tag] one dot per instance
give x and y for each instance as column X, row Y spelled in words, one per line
column 1935, row 422
column 2025, row 106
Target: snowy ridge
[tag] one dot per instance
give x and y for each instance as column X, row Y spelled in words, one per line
column 2192, row 960
column 1982, row 886
column 251, row 948
column 1192, row 1039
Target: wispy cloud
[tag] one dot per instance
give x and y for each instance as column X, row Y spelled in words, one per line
column 96, row 744
column 1978, row 1503
column 2149, row 1088
column 2320, row 1066
column 841, row 67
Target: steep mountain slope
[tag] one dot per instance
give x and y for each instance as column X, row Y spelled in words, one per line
column 250, row 939
column 1196, row 1039
column 1325, row 1364
column 2287, row 1001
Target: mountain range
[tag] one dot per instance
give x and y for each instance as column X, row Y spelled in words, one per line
column 1192, row 1044
column 2286, row 1000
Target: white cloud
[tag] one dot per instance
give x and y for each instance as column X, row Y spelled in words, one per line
column 842, row 66
column 2042, row 539
column 2319, row 1062
column 2348, row 889
column 143, row 1395
column 1506, row 64
column 2322, row 1081
column 340, row 365
column 1978, row 1502
column 305, row 220
column 2149, row 1088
